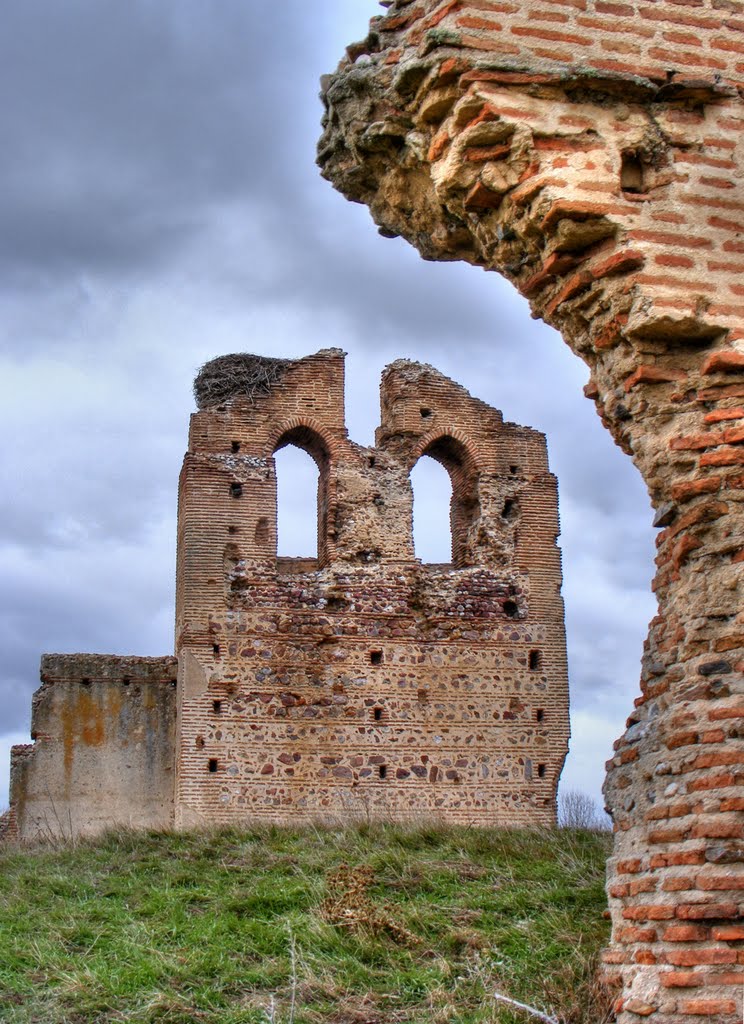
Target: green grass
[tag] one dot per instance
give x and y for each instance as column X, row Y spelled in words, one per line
column 204, row 927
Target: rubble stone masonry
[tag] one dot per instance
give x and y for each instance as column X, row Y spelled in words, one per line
column 360, row 683
column 364, row 683
column 591, row 152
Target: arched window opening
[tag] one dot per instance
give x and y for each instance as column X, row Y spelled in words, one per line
column 454, row 502
column 302, row 472
column 296, row 504
column 432, row 499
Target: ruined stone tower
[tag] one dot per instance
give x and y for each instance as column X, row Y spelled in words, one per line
column 361, row 683
column 591, row 152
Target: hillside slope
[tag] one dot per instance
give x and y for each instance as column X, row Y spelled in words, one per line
column 344, row 926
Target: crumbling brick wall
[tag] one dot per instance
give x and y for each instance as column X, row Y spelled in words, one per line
column 590, row 151
column 364, row 683
column 103, row 731
column 359, row 682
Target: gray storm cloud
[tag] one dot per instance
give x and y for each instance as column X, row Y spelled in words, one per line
column 159, row 205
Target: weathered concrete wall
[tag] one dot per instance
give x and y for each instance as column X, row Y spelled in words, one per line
column 590, row 151
column 103, row 750
column 366, row 683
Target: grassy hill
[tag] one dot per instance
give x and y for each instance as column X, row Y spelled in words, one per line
column 365, row 925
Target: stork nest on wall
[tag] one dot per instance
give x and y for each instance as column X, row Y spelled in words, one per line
column 237, row 376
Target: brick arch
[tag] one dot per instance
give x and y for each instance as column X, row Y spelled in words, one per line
column 617, row 216
column 329, row 446
column 458, row 455
column 310, row 436
column 469, row 448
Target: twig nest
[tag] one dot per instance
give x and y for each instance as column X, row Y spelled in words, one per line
column 240, row 375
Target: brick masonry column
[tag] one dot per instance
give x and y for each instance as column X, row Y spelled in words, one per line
column 591, row 153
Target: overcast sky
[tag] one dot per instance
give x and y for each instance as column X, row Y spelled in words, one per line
column 159, row 206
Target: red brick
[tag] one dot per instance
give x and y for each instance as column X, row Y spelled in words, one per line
column 678, row 884
column 729, row 643
column 629, row 867
column 693, row 488
column 727, row 978
column 629, row 755
column 713, row 182
column 665, row 14
column 619, row 10
column 479, row 154
column 613, row 956
column 682, row 979
column 705, row 911
column 711, row 781
column 481, row 198
column 566, row 209
column 682, row 739
column 489, row 44
column 650, row 912
column 680, row 858
column 653, row 375
column 719, row 759
column 712, row 736
column 720, row 883
column 685, row 933
column 442, row 13
column 670, row 259
column 720, row 415
column 688, row 59
column 723, row 457
column 639, row 885
column 438, row 146
column 729, row 361
column 507, row 78
column 573, row 287
column 482, row 24
column 732, row 804
column 719, row 143
column 733, row 435
column 619, row 263
column 550, row 35
column 703, row 955
column 644, row 956
column 392, row 24
column 691, row 442
column 665, row 238
column 707, row 1007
